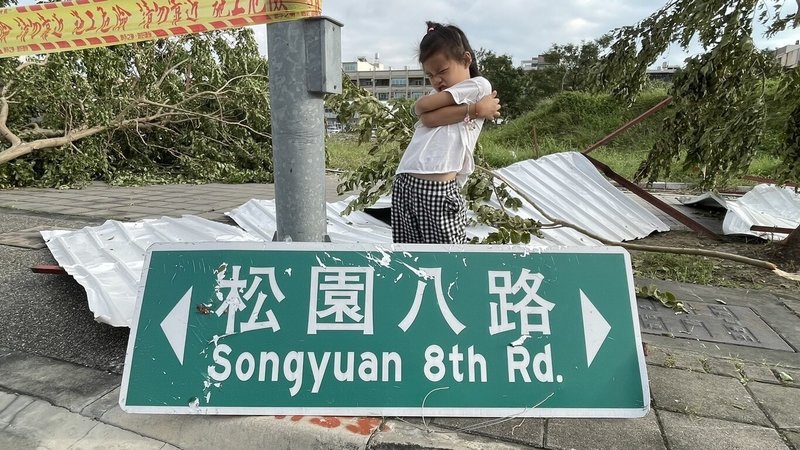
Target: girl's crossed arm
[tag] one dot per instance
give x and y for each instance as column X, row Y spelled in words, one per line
column 440, row 109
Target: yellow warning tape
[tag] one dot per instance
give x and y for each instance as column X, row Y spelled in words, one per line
column 78, row 24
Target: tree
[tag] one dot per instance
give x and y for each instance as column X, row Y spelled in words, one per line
column 573, row 63
column 717, row 116
column 569, row 68
column 506, row 79
column 191, row 108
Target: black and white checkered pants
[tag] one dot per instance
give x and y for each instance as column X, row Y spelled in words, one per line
column 427, row 212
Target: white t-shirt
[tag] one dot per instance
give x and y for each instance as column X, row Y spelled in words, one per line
column 448, row 148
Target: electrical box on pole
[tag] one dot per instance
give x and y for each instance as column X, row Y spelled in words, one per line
column 324, row 55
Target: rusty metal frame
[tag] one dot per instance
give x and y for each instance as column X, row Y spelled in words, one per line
column 658, row 107
column 633, row 187
column 767, row 229
column 760, row 179
column 51, row 269
column 793, row 238
column 653, row 200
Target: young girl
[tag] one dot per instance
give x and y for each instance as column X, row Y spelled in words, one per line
column 427, row 205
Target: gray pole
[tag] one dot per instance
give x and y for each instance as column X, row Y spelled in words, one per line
column 304, row 64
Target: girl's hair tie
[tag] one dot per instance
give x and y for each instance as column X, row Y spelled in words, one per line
column 431, row 29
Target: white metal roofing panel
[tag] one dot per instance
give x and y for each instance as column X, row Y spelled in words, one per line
column 568, row 187
column 360, row 227
column 107, row 260
column 711, row 200
column 258, row 218
column 765, row 205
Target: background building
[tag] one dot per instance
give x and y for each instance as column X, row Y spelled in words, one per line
column 534, row 63
column 387, row 84
column 789, row 56
column 663, row 73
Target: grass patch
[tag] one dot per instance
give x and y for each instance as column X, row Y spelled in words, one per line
column 497, row 155
column 572, row 121
column 681, row 268
column 765, row 165
column 343, row 152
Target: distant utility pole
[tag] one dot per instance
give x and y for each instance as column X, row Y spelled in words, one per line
column 305, row 63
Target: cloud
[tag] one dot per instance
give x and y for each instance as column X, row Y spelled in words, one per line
column 519, row 28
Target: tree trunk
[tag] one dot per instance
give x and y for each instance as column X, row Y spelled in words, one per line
column 23, row 148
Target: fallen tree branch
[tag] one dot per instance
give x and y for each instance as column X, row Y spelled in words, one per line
column 188, row 113
column 36, row 130
column 699, row 252
column 7, row 134
column 20, row 148
column 787, row 275
column 32, row 62
column 40, row 138
column 23, row 148
column 638, row 247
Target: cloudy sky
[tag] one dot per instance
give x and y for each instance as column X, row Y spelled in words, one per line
column 520, row 28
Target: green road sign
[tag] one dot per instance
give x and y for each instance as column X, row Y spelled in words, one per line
column 406, row 330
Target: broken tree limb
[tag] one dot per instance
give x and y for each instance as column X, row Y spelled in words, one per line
column 23, row 148
column 138, row 113
column 699, row 252
column 20, row 148
column 787, row 275
column 639, row 247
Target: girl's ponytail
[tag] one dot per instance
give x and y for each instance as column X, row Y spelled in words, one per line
column 473, row 66
column 450, row 40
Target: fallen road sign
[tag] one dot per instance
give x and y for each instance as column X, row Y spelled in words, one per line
column 408, row 330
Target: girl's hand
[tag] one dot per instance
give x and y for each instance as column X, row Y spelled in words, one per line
column 488, row 107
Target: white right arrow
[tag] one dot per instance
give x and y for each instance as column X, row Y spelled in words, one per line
column 595, row 328
column 176, row 323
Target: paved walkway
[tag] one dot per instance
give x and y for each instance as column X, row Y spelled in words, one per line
column 101, row 201
column 708, row 392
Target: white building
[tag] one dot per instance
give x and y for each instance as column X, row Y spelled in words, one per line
column 387, row 84
column 535, row 63
column 665, row 72
column 789, row 56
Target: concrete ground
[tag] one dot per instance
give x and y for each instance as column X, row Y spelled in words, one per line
column 60, row 371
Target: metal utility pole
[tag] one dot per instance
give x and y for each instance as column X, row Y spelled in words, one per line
column 305, row 63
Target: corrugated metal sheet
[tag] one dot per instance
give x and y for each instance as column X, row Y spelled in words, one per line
column 360, row 227
column 565, row 185
column 765, row 205
column 258, row 218
column 107, row 260
column 710, row 200
column 568, row 187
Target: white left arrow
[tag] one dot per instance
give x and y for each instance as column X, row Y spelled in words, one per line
column 595, row 328
column 176, row 323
